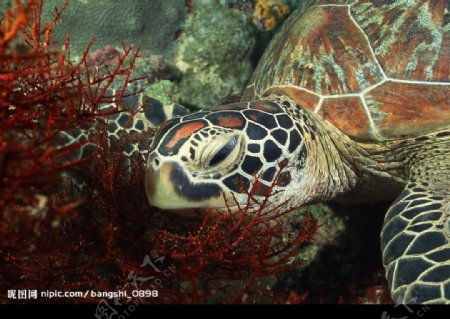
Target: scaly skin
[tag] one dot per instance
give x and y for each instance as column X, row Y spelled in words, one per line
column 203, row 158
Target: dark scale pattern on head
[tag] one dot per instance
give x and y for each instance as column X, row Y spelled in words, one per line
column 251, row 165
column 237, row 183
column 280, row 136
column 270, row 130
column 198, row 138
column 256, row 132
column 269, row 174
column 191, row 153
column 271, row 151
column 139, row 125
column 294, row 140
column 153, row 111
column 131, row 102
column 264, row 119
column 287, row 104
column 300, row 130
column 163, row 129
column 216, row 176
column 129, row 149
column 124, row 120
column 254, row 148
column 204, row 134
column 284, row 121
column 178, row 110
column 112, row 127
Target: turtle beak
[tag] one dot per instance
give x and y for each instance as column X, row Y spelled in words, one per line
column 152, row 179
column 159, row 190
column 168, row 186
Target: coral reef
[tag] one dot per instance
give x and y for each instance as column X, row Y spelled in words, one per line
column 151, row 24
column 268, row 14
column 164, row 91
column 214, row 54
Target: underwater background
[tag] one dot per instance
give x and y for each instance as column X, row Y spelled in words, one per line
column 195, row 53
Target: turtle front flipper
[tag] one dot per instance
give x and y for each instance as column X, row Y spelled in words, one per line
column 415, row 239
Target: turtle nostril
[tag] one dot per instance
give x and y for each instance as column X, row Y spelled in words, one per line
column 156, row 161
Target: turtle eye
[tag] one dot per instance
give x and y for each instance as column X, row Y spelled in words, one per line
column 223, row 152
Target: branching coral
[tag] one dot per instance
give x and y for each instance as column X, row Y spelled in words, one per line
column 234, row 251
column 42, row 92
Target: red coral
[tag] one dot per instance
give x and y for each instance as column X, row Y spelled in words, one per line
column 245, row 245
column 41, row 94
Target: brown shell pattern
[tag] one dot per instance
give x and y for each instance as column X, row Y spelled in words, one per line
column 377, row 70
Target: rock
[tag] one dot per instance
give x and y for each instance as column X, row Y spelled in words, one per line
column 150, row 24
column 163, row 91
column 214, row 54
column 342, row 257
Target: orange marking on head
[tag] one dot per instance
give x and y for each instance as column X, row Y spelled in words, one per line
column 262, row 106
column 185, row 131
column 230, row 121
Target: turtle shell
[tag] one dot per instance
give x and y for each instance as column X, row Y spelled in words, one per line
column 377, row 70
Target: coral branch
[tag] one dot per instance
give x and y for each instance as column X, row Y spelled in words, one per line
column 42, row 93
column 248, row 243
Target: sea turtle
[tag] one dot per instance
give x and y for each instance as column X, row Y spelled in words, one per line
column 353, row 96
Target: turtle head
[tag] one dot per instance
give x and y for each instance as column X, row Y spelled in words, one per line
column 202, row 159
